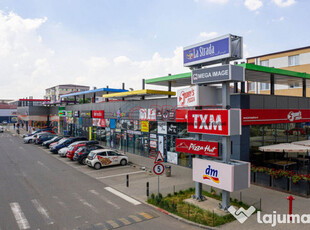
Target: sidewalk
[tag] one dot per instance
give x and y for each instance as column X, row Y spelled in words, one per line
column 181, row 179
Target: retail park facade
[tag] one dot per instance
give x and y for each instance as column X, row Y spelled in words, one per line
column 138, row 123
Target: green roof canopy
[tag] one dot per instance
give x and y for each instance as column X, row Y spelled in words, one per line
column 255, row 73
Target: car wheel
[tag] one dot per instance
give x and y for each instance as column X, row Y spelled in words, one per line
column 83, row 161
column 123, row 162
column 97, row 166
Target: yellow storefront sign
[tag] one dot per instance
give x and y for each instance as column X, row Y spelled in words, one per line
column 145, row 126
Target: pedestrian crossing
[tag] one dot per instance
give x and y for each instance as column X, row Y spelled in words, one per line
column 20, row 211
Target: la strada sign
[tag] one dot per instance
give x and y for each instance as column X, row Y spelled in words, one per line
column 205, row 148
column 215, row 121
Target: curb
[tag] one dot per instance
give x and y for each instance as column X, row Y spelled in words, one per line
column 181, row 219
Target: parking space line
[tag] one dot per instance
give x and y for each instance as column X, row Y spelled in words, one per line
column 122, row 174
column 19, row 216
column 109, row 169
column 42, row 211
column 122, row 195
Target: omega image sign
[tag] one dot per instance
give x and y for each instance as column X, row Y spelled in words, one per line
column 218, row 74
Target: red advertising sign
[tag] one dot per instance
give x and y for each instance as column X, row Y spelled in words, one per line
column 205, row 148
column 274, row 116
column 98, row 113
column 208, row 121
column 181, row 115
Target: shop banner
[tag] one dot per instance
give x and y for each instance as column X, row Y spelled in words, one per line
column 98, row 114
column 62, row 113
column 112, row 123
column 215, row 121
column 98, row 122
column 162, row 128
column 274, row 116
column 153, row 136
column 151, row 114
column 172, row 158
column 85, row 114
column 228, row 177
column 143, row 114
column 181, row 115
column 145, row 126
column 76, row 113
column 172, row 129
column 161, row 147
column 153, row 144
column 205, row 148
column 69, row 113
column 102, row 122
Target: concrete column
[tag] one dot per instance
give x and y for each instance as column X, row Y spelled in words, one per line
column 304, row 87
column 272, row 84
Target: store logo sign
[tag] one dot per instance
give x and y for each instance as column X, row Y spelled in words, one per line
column 205, row 148
column 211, row 174
column 291, row 116
column 187, row 97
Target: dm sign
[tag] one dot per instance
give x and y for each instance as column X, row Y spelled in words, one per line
column 230, row 177
column 218, row 74
column 214, row 121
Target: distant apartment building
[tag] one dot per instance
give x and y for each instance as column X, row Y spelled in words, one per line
column 55, row 92
column 294, row 60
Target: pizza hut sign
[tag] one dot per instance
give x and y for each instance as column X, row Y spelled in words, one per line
column 205, row 148
column 215, row 121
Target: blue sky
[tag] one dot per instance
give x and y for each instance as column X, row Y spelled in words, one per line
column 88, row 42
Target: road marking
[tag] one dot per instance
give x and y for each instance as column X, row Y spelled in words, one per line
column 112, row 223
column 108, row 169
column 146, row 215
column 60, row 202
column 84, row 202
column 104, row 199
column 122, row 174
column 42, row 211
column 123, row 196
column 124, row 221
column 43, row 165
column 135, row 218
column 19, row 216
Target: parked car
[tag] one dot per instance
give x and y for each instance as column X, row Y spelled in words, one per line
column 81, row 153
column 65, row 143
column 104, row 157
column 1, row 129
column 63, row 152
column 73, row 148
column 58, row 142
column 4, row 122
column 53, row 140
column 32, row 138
column 39, row 131
column 295, row 131
column 46, row 137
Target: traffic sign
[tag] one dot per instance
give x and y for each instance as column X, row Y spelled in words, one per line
column 158, row 169
column 159, row 158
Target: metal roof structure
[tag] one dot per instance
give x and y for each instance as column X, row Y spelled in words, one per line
column 253, row 73
column 140, row 93
column 98, row 92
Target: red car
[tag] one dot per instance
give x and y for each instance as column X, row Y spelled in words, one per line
column 72, row 149
column 295, row 131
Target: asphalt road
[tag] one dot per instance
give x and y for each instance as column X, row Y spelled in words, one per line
column 39, row 191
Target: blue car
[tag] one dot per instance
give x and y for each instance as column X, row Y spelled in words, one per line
column 54, row 149
column 45, row 137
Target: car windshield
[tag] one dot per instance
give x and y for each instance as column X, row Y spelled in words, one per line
column 71, row 147
column 62, row 140
column 92, row 154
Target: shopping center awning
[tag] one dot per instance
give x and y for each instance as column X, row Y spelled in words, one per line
column 304, row 143
column 90, row 93
column 140, row 93
column 285, row 147
column 254, row 73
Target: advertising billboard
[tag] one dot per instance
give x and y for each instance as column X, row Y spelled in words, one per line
column 214, row 121
column 229, row 177
column 98, row 114
column 218, row 74
column 205, row 148
column 213, row 51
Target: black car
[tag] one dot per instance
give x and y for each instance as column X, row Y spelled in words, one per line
column 55, row 139
column 81, row 154
column 45, row 137
column 66, row 143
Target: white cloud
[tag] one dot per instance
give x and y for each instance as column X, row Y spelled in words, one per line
column 213, row 1
column 284, row 3
column 205, row 35
column 253, row 4
column 28, row 66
